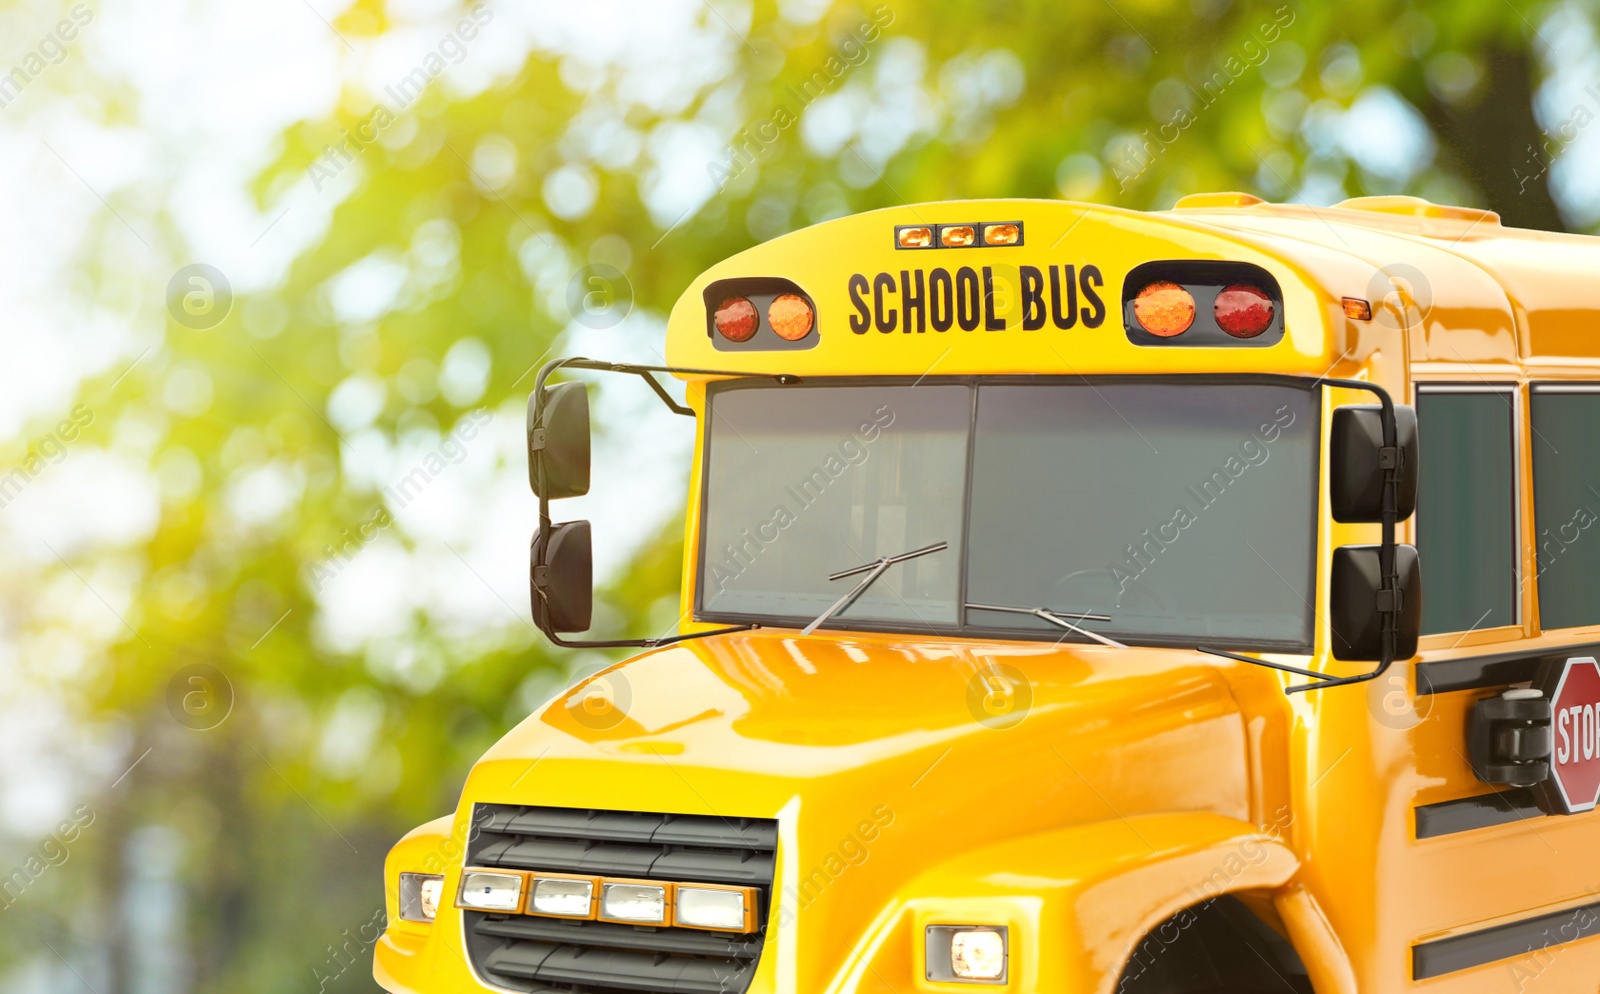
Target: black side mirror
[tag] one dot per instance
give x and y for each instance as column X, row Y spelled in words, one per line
column 563, row 588
column 1358, row 610
column 1356, row 462
column 558, row 441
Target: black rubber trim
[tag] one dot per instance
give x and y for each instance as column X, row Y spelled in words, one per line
column 1501, row 669
column 1482, row 811
column 1463, row 952
column 628, row 826
column 688, row 941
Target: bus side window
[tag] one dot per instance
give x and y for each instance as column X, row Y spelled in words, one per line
column 1566, row 502
column 1466, row 507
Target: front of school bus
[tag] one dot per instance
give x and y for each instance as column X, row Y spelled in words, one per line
column 1004, row 761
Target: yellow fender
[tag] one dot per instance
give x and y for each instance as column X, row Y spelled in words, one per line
column 1078, row 902
column 402, row 961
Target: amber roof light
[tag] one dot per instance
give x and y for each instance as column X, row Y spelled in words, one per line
column 1164, row 309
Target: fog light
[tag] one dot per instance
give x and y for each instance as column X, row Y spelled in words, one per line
column 971, row 954
column 484, row 891
column 728, row 908
column 638, row 904
column 419, row 896
column 562, row 897
column 978, row 955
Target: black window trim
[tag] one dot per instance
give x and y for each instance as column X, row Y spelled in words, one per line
column 962, row 630
column 1549, row 387
column 1519, row 416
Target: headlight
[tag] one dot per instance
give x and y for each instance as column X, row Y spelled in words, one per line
column 562, row 897
column 636, row 904
column 967, row 954
column 482, row 890
column 731, row 909
column 419, row 896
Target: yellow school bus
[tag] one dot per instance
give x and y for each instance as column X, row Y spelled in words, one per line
column 1075, row 600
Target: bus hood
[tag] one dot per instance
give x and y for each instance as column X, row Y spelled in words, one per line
column 905, row 750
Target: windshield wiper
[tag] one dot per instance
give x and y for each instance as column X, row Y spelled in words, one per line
column 1056, row 619
column 874, row 569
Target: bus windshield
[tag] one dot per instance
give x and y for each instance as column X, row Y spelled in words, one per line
column 1166, row 512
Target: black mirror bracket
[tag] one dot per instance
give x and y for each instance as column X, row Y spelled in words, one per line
column 1388, row 604
column 539, row 573
column 1389, row 601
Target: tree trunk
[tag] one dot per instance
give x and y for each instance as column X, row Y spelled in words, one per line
column 1493, row 139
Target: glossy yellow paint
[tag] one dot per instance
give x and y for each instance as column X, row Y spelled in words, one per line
column 1140, row 781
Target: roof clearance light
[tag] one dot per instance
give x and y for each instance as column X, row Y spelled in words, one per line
column 957, row 235
column 1243, row 311
column 914, row 237
column 1002, row 234
column 1164, row 309
column 736, row 319
column 1357, row 309
column 790, row 317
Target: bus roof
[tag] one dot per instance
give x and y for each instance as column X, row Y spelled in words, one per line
column 1477, row 296
column 1545, row 275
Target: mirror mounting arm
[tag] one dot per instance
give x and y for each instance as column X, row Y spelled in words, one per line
column 541, row 570
column 647, row 373
column 1390, row 456
column 1389, row 600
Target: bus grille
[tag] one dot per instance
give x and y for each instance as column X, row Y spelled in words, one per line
column 534, row 954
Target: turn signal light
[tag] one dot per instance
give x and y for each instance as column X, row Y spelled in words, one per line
column 790, row 317
column 1164, row 309
column 420, row 894
column 1357, row 309
column 736, row 319
column 1243, row 311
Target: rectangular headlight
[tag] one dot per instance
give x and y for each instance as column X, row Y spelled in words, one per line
column 419, row 896
column 491, row 890
column 730, row 909
column 562, row 896
column 634, row 903
column 974, row 954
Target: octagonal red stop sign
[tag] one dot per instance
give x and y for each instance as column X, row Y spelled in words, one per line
column 1575, row 732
